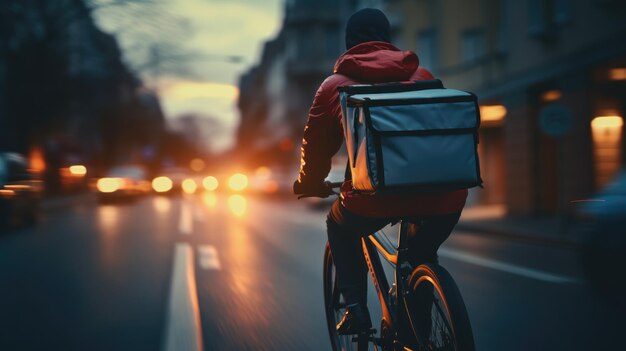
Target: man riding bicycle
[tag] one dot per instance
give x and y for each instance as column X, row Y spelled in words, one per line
column 370, row 58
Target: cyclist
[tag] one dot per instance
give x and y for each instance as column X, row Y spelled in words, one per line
column 370, row 58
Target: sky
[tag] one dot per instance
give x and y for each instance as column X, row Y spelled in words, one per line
column 209, row 30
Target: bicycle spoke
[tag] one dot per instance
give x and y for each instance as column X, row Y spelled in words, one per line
column 441, row 331
column 429, row 315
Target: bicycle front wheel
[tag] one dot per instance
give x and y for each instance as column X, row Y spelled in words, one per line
column 436, row 314
column 334, row 305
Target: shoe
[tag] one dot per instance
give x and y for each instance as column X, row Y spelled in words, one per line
column 355, row 320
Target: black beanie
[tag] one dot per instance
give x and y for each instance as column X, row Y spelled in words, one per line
column 367, row 25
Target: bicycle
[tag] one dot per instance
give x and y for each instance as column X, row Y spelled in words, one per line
column 403, row 326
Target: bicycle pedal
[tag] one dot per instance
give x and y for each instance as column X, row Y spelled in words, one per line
column 369, row 335
column 375, row 340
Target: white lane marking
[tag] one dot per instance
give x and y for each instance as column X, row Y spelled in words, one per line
column 183, row 326
column 507, row 267
column 185, row 222
column 207, row 257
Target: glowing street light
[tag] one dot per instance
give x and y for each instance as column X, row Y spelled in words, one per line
column 492, row 113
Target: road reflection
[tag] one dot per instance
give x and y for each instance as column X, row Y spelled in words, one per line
column 243, row 254
column 247, row 285
column 161, row 204
column 165, row 211
column 238, row 205
column 210, row 200
column 108, row 218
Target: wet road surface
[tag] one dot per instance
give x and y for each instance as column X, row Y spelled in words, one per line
column 246, row 272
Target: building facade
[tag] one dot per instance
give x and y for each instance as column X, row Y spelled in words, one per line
column 276, row 94
column 550, row 76
column 551, row 79
column 63, row 82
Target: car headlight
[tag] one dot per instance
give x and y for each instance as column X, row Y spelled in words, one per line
column 109, row 185
column 162, row 184
column 189, row 186
column 238, row 182
column 210, row 183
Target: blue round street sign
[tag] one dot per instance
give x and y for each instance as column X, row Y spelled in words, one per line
column 555, row 120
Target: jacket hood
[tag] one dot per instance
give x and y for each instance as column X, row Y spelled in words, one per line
column 377, row 61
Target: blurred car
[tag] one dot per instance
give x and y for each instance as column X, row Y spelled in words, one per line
column 610, row 203
column 20, row 191
column 73, row 177
column 602, row 223
column 226, row 182
column 175, row 180
column 123, row 182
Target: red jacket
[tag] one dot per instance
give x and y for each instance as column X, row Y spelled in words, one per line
column 370, row 62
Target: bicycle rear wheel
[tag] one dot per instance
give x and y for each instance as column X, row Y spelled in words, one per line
column 335, row 308
column 437, row 317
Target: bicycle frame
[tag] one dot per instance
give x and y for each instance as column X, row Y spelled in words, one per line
column 372, row 245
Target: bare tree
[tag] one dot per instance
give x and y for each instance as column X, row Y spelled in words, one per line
column 153, row 38
column 151, row 35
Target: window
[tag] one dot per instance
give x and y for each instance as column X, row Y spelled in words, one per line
column 544, row 16
column 561, row 11
column 503, row 33
column 427, row 49
column 332, row 43
column 473, row 46
column 306, row 49
column 537, row 16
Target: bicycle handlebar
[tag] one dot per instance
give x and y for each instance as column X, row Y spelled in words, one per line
column 330, row 185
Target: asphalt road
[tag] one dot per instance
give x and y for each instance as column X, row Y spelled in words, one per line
column 246, row 273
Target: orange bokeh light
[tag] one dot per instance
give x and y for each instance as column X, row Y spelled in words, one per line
column 286, row 145
column 492, row 113
column 210, row 183
column 78, row 170
column 238, row 182
column 189, row 186
column 162, row 184
column 109, row 185
column 551, row 95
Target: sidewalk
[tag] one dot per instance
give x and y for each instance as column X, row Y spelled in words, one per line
column 546, row 230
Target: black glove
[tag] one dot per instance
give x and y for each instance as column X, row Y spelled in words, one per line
column 312, row 189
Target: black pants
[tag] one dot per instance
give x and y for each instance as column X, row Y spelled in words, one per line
column 345, row 230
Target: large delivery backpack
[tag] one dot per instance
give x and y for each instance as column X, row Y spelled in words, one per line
column 411, row 137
